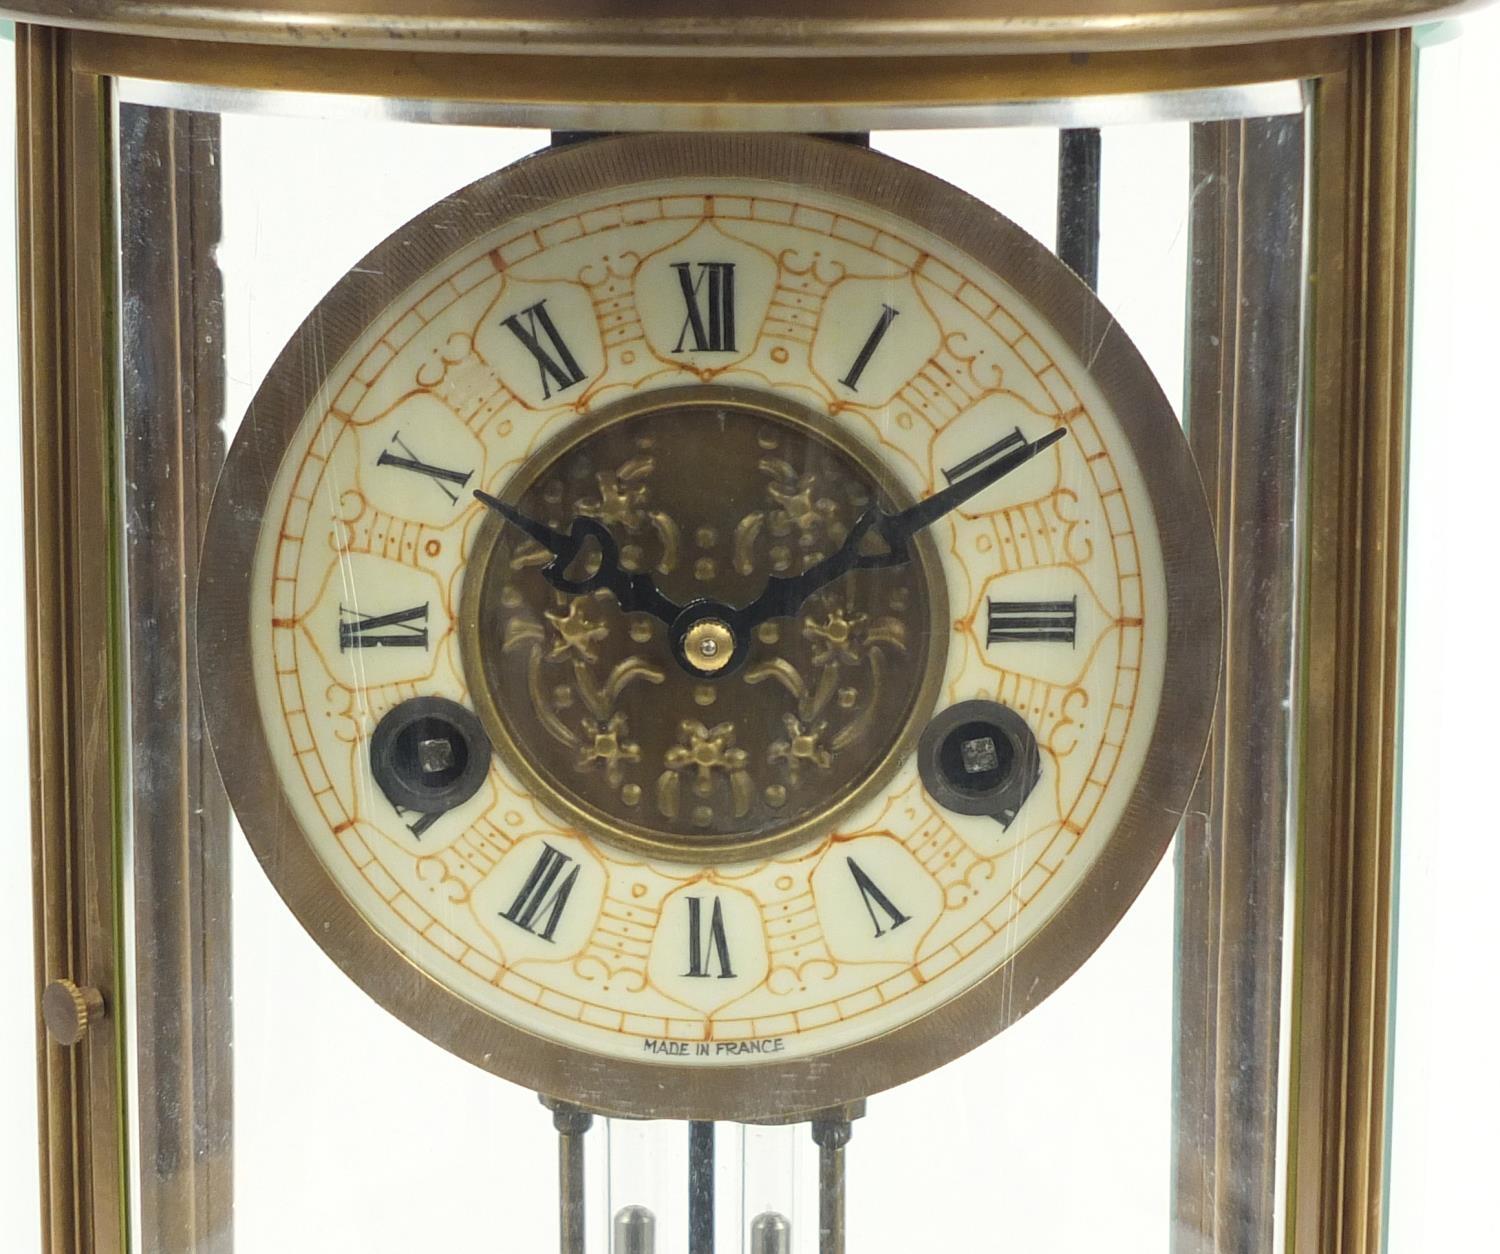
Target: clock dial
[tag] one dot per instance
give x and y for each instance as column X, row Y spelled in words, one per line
column 831, row 640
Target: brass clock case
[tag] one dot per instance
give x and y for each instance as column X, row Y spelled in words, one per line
column 772, row 1088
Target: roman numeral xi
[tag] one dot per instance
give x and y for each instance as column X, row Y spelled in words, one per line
column 534, row 327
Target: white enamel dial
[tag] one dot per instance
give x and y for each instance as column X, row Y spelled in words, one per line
column 905, row 349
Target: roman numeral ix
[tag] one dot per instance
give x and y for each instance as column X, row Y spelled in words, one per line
column 410, row 461
column 876, row 902
column 704, row 951
column 539, row 905
column 710, row 306
column 401, row 629
column 1033, row 620
column 554, row 359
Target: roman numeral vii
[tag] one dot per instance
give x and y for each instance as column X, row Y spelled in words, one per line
column 539, row 906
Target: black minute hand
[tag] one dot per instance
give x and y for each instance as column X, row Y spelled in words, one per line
column 784, row 594
column 635, row 591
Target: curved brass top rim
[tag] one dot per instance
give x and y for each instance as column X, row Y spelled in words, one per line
column 715, row 28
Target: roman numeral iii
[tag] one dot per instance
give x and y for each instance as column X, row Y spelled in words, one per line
column 705, row 952
column 400, row 629
column 710, row 306
column 1033, row 620
column 554, row 360
column 539, row 906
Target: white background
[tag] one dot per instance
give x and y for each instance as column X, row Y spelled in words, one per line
column 451, row 1133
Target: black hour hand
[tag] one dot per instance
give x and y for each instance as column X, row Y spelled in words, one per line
column 635, row 591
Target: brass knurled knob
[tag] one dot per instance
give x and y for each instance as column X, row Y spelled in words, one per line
column 68, row 1011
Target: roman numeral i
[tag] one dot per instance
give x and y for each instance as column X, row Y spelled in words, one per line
column 710, row 306
column 555, row 361
column 539, row 906
column 872, row 342
column 704, row 951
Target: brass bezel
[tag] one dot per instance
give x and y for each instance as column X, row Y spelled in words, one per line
column 1159, row 797
column 639, row 839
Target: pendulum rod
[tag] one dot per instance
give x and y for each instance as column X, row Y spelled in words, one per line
column 1078, row 175
column 700, row 1188
column 571, row 1123
column 831, row 1132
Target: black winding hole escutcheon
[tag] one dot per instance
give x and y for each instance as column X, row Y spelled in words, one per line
column 429, row 754
column 979, row 757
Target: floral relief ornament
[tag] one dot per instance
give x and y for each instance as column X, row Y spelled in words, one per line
column 707, row 754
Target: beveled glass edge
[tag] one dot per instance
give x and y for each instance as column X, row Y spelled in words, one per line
column 1215, row 104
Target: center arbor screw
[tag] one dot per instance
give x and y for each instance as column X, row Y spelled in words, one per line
column 429, row 755
column 708, row 646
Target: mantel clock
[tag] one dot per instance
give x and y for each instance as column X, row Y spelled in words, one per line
column 711, row 614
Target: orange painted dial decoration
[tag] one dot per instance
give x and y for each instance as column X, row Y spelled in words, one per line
column 714, row 604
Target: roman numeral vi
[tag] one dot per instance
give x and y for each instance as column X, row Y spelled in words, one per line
column 704, row 951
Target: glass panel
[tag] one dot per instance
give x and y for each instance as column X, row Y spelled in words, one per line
column 330, row 1125
column 1446, row 1091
